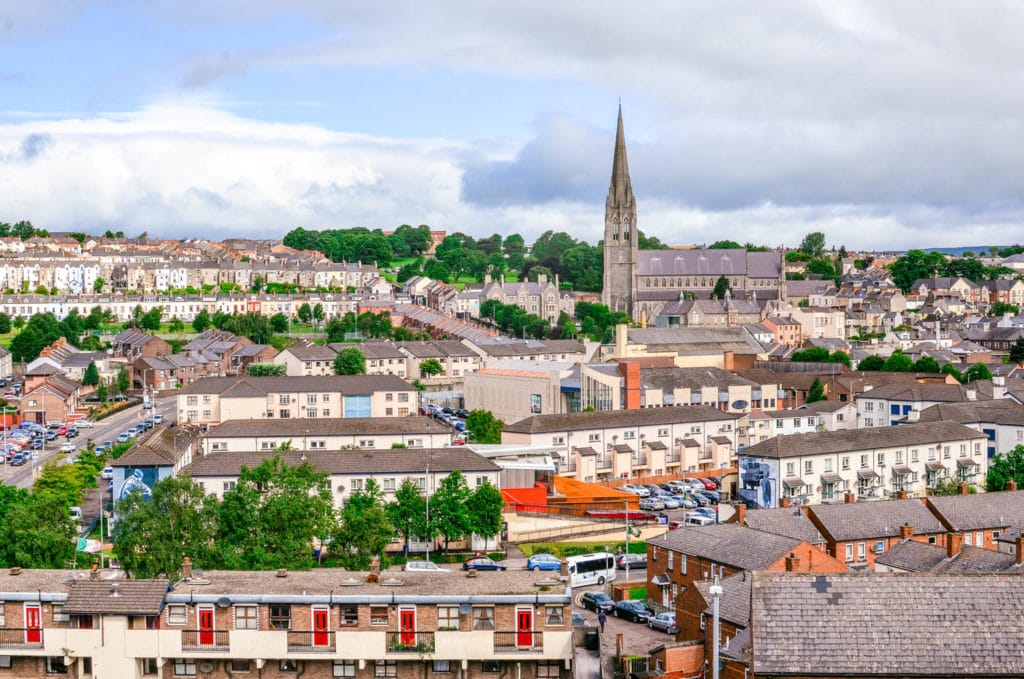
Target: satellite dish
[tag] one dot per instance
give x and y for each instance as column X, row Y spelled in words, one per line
column 465, row 609
column 223, row 602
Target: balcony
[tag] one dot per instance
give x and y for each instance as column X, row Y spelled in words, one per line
column 505, row 642
column 301, row 641
column 410, row 642
column 673, row 458
column 21, row 637
column 204, row 640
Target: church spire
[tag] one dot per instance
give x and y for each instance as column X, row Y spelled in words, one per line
column 620, row 192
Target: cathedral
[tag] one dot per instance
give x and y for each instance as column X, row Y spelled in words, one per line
column 641, row 282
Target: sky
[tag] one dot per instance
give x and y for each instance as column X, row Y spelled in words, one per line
column 886, row 125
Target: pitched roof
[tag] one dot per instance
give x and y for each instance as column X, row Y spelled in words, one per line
column 979, row 511
column 848, row 440
column 348, row 462
column 331, row 426
column 734, row 604
column 346, row 384
column 539, row 424
column 996, row 411
column 789, row 522
column 864, row 520
column 117, row 597
column 887, row 624
column 912, row 556
column 729, row 544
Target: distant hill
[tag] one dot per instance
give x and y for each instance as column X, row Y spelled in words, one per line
column 979, row 250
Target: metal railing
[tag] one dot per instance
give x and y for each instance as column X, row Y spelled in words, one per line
column 204, row 640
column 306, row 640
column 410, row 642
column 519, row 641
column 17, row 637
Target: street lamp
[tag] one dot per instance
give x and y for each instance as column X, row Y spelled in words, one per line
column 716, row 594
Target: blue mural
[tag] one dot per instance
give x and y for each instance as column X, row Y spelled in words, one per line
column 137, row 479
column 759, row 482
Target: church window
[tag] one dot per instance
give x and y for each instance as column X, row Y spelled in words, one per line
column 663, row 283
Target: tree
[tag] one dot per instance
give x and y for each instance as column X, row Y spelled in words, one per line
column 5, row 324
column 898, row 362
column 977, row 371
column 822, row 267
column 816, row 392
column 1001, row 308
column 485, row 507
column 725, row 245
column 915, row 265
column 154, row 534
column 484, row 427
column 279, row 322
column 813, row 244
column 123, row 382
column 151, row 319
column 350, row 362
column 721, row 287
column 91, row 376
column 1017, row 351
column 550, row 245
column 926, row 364
column 514, row 249
column 583, row 264
column 102, row 391
column 98, row 284
column 945, row 486
column 318, row 312
column 449, row 514
column 38, row 533
column 408, row 513
column 365, row 528
column 267, row 369
column 431, row 367
column 177, row 325
column 305, row 313
column 202, row 321
column 40, row 331
column 871, row 363
column 950, row 369
column 1003, row 467
column 272, row 517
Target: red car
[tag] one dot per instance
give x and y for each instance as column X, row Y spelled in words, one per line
column 63, row 429
column 708, row 484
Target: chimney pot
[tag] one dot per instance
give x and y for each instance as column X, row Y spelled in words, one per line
column 792, row 563
column 1011, row 484
column 906, row 531
column 741, row 514
column 15, row 570
column 784, row 502
column 186, row 568
column 962, row 489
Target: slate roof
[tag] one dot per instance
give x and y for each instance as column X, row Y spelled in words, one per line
column 887, row 624
column 707, row 262
column 734, row 604
column 789, row 522
column 949, row 393
column 668, row 379
column 539, row 424
column 997, row 411
column 865, row 520
column 912, row 556
column 324, row 426
column 729, row 544
column 117, row 597
column 850, row 440
column 347, row 384
column 980, row 511
column 347, row 462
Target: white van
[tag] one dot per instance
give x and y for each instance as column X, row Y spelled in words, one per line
column 697, row 520
column 76, row 514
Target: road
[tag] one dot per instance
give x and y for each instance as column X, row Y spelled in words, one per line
column 104, row 430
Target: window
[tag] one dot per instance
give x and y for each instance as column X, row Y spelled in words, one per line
column 389, row 411
column 246, row 616
column 206, row 415
column 285, row 414
column 863, row 461
column 229, row 486
column 366, row 443
column 827, row 464
column 357, row 485
column 491, row 666
column 240, row 665
column 669, row 557
column 629, row 435
column 325, row 398
column 808, row 466
column 849, row 552
column 879, row 546
column 183, row 667
column 790, row 468
column 378, row 615
column 288, row 666
column 931, row 453
column 311, row 398
column 862, row 551
column 219, row 446
column 557, row 440
column 703, row 621
column 281, row 617
column 594, row 438
column 385, row 668
column 913, row 455
column 344, row 668
column 311, row 412
column 682, row 564
column 149, row 666
column 483, row 617
column 554, row 616
column 314, row 445
column 442, row 666
column 192, row 400
column 663, row 432
column 3, row 618
column 283, row 400
column 881, row 458
column 403, row 397
column 177, row 614
column 447, row 617
column 549, row 669
column 388, row 485
column 349, row 617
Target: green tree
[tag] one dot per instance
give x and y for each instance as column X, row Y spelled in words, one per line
column 155, row 533
column 272, row 517
column 813, row 244
column 725, row 245
column 950, row 369
column 1001, row 308
column 123, row 382
column 102, row 391
column 721, row 287
column 267, row 369
column 977, row 371
column 822, row 267
column 39, row 332
column 365, row 528
column 91, row 376
column 98, row 284
column 485, row 506
column 177, row 326
column 318, row 312
column 5, row 324
column 408, row 513
column 816, row 392
column 202, row 321
column 550, row 245
column 898, row 362
column 915, row 265
column 514, row 249
column 871, row 363
column 151, row 319
column 38, row 533
column 305, row 313
column 350, row 362
column 926, row 364
column 1017, row 351
column 449, row 514
column 945, row 486
column 484, row 427
column 279, row 322
column 583, row 265
column 431, row 367
column 1003, row 467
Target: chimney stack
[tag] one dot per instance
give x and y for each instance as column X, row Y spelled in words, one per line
column 906, row 531
column 901, row 495
column 1019, row 548
column 784, row 502
column 741, row 514
column 850, row 498
column 792, row 563
column 186, row 568
column 954, row 543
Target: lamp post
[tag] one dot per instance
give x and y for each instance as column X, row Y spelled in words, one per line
column 716, row 594
column 627, row 541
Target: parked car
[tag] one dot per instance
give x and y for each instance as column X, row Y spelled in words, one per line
column 578, row 620
column 107, row 473
column 704, row 511
column 697, row 520
column 147, row 423
column 158, row 419
column 483, row 563
column 635, row 489
column 634, row 611
column 709, row 484
column 544, row 562
column 124, row 437
column 596, row 601
column 461, row 412
column 685, row 501
column 84, row 424
column 711, row 495
column 424, row 567
column 50, row 435
column 68, row 448
column 634, row 561
column 62, row 430
column 651, row 504
column 666, row 622
column 669, row 501
column 19, row 459
column 37, row 444
column 701, row 499
column 71, row 433
column 53, row 424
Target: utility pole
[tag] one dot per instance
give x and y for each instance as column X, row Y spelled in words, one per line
column 627, row 541
column 716, row 594
column 426, row 493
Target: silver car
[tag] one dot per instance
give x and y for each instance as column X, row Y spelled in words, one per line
column 666, row 622
column 424, row 567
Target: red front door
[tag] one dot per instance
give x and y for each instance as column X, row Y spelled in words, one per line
column 407, row 626
column 206, row 627
column 524, row 627
column 33, row 624
column 321, row 627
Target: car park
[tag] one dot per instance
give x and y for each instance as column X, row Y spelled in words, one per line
column 424, row 567
column 71, row 433
column 634, row 611
column 482, row 563
column 634, row 561
column 666, row 622
column 37, row 444
column 597, row 601
column 651, row 504
column 19, row 459
column 701, row 500
column 147, row 423
column 461, row 412
column 544, row 562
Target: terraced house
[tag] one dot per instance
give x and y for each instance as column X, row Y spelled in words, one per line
column 322, row 623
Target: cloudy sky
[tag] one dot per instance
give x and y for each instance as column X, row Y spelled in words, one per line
column 885, row 125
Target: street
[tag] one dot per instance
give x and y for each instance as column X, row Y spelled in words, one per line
column 104, row 430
